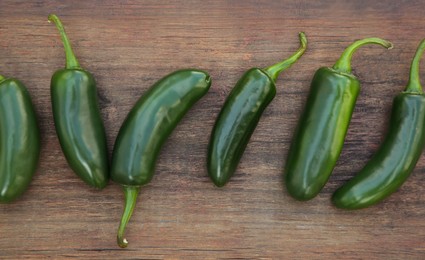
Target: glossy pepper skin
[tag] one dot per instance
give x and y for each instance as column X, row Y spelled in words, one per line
column 323, row 125
column 19, row 139
column 78, row 122
column 240, row 114
column 397, row 156
column 146, row 128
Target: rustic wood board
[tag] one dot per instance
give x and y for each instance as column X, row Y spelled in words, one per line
column 128, row 45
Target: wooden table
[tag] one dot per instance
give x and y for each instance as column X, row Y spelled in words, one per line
column 128, row 45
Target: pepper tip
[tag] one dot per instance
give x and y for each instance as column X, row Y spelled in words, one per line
column 122, row 242
column 303, row 38
column 51, row 17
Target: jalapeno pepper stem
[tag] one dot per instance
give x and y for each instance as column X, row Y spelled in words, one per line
column 274, row 70
column 71, row 60
column 414, row 84
column 130, row 193
column 343, row 64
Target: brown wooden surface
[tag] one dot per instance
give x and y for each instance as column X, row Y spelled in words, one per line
column 128, row 45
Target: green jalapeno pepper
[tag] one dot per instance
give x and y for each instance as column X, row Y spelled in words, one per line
column 146, row 128
column 240, row 114
column 397, row 156
column 78, row 122
column 323, row 125
column 19, row 139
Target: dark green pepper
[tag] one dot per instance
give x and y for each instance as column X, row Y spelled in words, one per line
column 19, row 139
column 78, row 122
column 240, row 114
column 397, row 156
column 323, row 125
column 146, row 128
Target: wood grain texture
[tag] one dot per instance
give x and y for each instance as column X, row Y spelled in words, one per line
column 128, row 45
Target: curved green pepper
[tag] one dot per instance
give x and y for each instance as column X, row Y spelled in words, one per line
column 323, row 125
column 146, row 128
column 397, row 156
column 240, row 114
column 19, row 139
column 78, row 123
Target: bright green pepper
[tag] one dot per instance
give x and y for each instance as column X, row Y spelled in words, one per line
column 78, row 123
column 397, row 156
column 240, row 114
column 144, row 131
column 323, row 125
column 19, row 139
